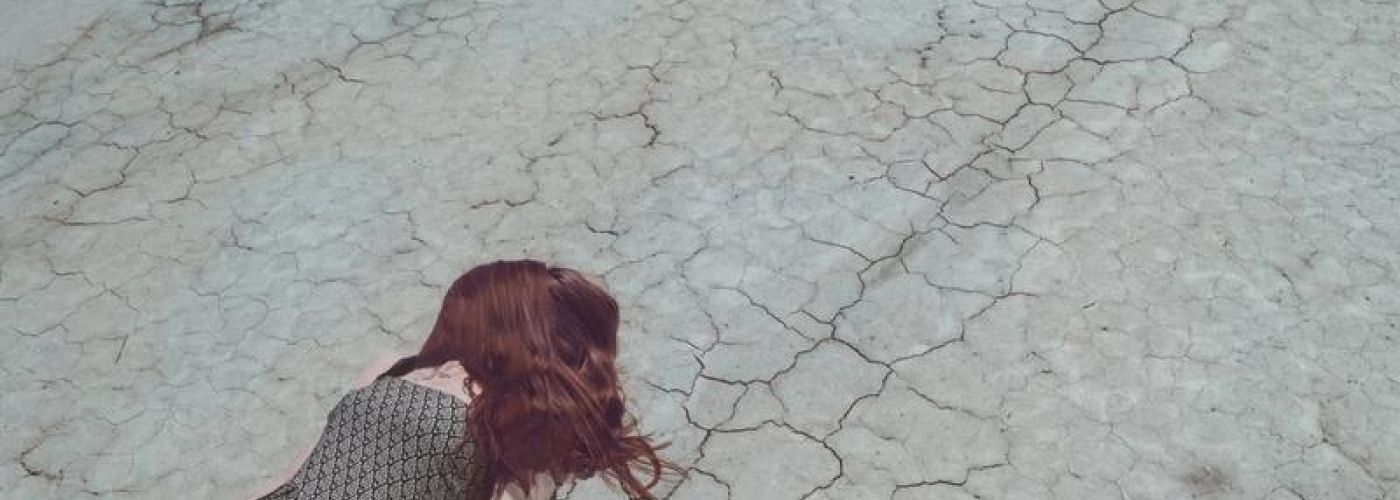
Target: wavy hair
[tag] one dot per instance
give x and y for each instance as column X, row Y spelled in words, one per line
column 541, row 342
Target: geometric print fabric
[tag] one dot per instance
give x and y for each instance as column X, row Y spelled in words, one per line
column 392, row 440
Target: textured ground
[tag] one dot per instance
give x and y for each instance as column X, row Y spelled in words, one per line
column 996, row 249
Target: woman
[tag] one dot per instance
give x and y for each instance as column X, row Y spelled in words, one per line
column 513, row 393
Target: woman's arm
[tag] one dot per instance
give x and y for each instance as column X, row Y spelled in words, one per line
column 375, row 368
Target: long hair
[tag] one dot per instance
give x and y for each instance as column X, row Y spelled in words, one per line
column 541, row 342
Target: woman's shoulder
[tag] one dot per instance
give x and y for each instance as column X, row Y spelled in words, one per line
column 395, row 399
column 378, row 366
column 449, row 378
column 432, row 388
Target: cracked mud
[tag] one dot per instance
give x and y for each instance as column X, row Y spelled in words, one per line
column 995, row 249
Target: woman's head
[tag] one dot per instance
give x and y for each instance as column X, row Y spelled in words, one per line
column 541, row 342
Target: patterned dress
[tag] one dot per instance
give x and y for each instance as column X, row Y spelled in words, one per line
column 392, row 439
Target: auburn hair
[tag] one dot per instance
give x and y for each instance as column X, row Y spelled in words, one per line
column 541, row 342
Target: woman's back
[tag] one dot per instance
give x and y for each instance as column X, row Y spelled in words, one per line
column 544, row 404
column 392, row 439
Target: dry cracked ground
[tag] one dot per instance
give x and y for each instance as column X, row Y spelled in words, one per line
column 893, row 250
